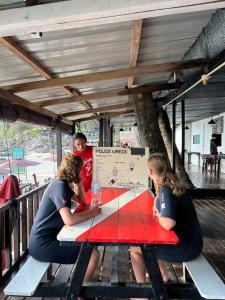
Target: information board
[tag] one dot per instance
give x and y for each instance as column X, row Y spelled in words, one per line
column 18, row 153
column 121, row 167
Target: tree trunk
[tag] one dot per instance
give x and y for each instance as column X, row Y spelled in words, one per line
column 147, row 122
column 166, row 132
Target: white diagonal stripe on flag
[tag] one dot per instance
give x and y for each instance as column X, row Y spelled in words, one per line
column 71, row 233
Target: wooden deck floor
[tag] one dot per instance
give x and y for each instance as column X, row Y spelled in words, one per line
column 202, row 180
column 211, row 213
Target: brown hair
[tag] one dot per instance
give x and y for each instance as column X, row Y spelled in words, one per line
column 70, row 168
column 161, row 167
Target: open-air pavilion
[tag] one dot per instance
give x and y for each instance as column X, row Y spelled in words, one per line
column 159, row 64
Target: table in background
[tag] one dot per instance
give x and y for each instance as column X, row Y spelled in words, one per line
column 212, row 160
column 126, row 219
column 189, row 157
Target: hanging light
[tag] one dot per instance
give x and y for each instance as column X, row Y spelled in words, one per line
column 211, row 122
column 186, row 127
column 121, row 129
column 135, row 124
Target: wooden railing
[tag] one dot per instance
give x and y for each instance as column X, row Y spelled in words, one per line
column 16, row 220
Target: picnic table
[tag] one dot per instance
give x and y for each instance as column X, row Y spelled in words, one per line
column 126, row 219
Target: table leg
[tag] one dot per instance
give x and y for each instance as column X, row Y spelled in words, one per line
column 189, row 158
column 152, row 266
column 218, row 167
column 79, row 272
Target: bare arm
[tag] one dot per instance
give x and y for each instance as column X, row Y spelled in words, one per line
column 74, row 218
column 166, row 223
column 79, row 195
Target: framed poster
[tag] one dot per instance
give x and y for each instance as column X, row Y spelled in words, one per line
column 18, row 153
column 119, row 167
column 196, row 139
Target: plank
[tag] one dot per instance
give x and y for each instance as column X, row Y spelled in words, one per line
column 30, row 283
column 208, row 283
column 104, row 75
column 83, row 13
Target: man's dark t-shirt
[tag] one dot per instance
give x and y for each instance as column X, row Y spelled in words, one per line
column 187, row 228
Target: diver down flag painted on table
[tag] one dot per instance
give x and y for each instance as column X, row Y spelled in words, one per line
column 126, row 218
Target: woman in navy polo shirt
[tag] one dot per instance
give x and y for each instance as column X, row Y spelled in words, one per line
column 55, row 212
column 174, row 210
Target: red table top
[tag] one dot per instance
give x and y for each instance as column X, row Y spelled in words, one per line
column 126, row 218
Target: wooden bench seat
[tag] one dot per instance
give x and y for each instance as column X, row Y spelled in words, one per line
column 27, row 279
column 208, row 283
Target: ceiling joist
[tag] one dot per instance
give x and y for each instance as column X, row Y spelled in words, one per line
column 109, row 94
column 106, row 75
column 16, row 49
column 135, row 45
column 82, row 13
column 98, row 109
column 14, row 99
column 106, row 115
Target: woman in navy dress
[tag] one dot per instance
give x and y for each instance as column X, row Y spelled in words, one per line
column 55, row 212
column 175, row 211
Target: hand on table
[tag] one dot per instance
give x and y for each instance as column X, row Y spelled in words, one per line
column 155, row 212
column 96, row 211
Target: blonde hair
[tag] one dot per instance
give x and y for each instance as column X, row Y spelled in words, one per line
column 70, row 168
column 161, row 166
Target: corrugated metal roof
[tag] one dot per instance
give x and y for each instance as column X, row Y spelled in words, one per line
column 10, row 4
column 100, row 48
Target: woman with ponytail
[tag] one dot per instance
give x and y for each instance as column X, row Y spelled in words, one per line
column 55, row 212
column 175, row 211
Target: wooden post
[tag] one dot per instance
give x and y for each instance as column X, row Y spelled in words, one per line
column 58, row 145
column 100, row 143
column 111, row 136
column 108, row 133
column 105, row 133
column 35, row 183
column 183, row 132
column 174, row 136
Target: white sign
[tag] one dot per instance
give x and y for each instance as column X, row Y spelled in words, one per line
column 121, row 167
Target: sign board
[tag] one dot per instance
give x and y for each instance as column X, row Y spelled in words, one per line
column 121, row 167
column 18, row 153
column 18, row 171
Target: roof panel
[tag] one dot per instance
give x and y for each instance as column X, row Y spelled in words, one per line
column 100, row 48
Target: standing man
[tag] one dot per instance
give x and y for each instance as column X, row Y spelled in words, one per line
column 85, row 152
column 213, row 145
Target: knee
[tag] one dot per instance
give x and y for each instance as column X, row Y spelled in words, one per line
column 95, row 254
column 135, row 253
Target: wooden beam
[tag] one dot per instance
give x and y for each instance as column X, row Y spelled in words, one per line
column 16, row 49
column 82, row 13
column 109, row 94
column 106, row 75
column 98, row 109
column 135, row 44
column 14, row 99
column 106, row 115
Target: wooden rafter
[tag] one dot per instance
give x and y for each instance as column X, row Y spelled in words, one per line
column 106, row 115
column 106, row 75
column 135, row 44
column 16, row 49
column 98, row 109
column 109, row 94
column 14, row 99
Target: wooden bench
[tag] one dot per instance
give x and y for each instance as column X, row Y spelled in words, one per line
column 208, row 283
column 27, row 279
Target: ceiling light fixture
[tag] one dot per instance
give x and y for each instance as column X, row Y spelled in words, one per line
column 186, row 127
column 211, row 122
